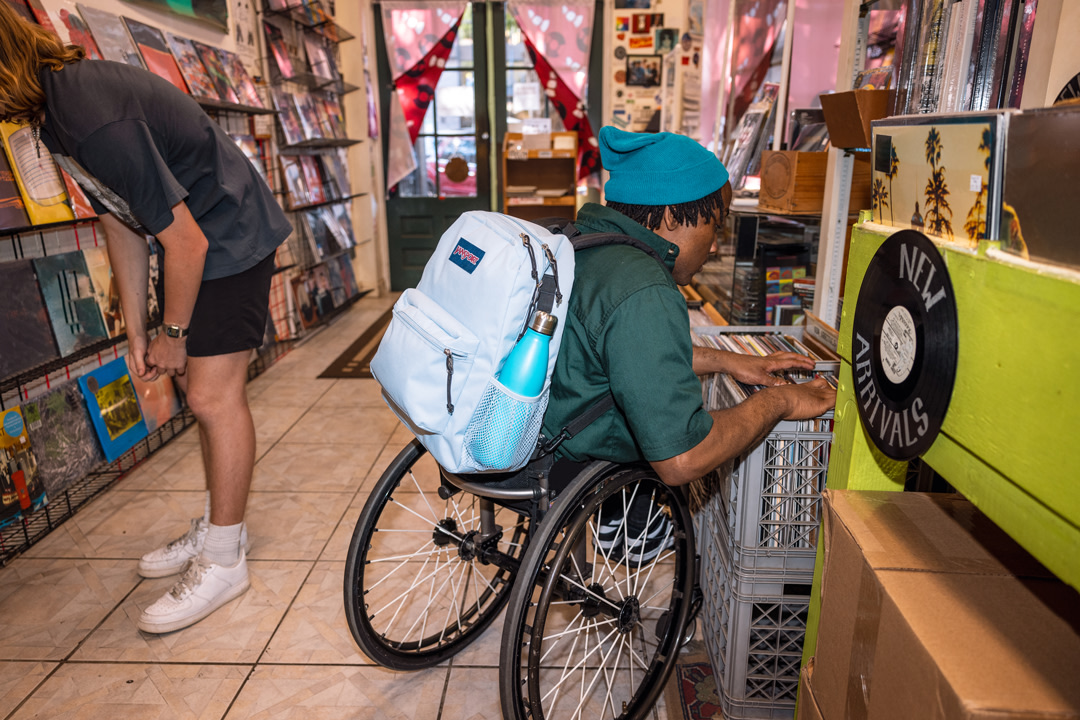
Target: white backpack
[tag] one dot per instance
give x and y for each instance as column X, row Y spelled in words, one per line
column 448, row 339
column 451, row 334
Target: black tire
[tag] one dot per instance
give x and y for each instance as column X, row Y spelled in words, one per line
column 608, row 632
column 412, row 597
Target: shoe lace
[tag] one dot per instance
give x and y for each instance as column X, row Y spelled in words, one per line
column 193, row 575
column 190, row 537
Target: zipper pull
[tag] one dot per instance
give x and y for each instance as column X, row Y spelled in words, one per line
column 449, row 378
column 532, row 259
column 554, row 271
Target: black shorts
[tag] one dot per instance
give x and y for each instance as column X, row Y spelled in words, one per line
column 230, row 312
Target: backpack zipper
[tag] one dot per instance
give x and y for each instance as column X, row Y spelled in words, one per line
column 449, row 379
column 554, row 271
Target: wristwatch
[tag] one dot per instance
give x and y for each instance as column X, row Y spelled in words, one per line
column 175, row 331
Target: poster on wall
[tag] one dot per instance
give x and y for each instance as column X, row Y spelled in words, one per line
column 215, row 12
column 244, row 30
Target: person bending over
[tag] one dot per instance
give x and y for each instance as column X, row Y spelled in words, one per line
column 153, row 163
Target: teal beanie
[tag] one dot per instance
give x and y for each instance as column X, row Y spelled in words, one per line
column 657, row 168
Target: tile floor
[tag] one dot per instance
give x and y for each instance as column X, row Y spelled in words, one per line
column 69, row 647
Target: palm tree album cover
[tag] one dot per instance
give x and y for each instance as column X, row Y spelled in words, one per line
column 939, row 176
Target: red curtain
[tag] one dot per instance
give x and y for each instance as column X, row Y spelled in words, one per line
column 570, row 108
column 416, row 87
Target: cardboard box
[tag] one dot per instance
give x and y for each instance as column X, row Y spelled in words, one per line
column 808, row 707
column 848, row 115
column 930, row 611
column 794, row 182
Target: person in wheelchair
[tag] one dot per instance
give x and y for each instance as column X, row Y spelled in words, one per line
column 591, row 548
column 627, row 333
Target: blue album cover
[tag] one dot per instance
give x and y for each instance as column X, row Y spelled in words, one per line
column 114, row 408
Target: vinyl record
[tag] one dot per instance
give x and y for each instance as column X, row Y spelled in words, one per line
column 904, row 345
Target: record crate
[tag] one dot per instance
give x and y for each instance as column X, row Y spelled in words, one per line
column 771, row 497
column 754, row 623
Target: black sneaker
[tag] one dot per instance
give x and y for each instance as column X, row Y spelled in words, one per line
column 645, row 546
column 636, row 537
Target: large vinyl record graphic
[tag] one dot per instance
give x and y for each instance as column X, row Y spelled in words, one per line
column 904, row 345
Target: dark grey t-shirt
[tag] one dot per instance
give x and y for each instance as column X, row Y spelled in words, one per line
column 152, row 146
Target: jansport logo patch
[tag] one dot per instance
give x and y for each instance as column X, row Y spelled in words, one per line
column 466, row 255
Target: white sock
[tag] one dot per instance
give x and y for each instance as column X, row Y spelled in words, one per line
column 222, row 544
column 206, row 512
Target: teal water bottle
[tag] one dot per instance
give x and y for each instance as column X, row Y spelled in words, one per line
column 525, row 369
column 499, row 437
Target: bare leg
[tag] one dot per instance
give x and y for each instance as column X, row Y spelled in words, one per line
column 217, row 395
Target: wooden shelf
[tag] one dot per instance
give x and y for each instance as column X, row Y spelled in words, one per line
column 540, row 169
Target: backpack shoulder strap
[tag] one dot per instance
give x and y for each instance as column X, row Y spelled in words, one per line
column 584, row 242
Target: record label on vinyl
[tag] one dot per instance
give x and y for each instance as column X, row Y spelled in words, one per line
column 904, row 345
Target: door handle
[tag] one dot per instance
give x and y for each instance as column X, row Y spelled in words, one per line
column 484, row 136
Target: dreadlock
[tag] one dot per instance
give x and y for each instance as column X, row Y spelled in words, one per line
column 707, row 208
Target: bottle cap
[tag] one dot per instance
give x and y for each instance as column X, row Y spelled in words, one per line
column 544, row 323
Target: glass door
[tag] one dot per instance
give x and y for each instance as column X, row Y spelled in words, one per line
column 452, row 149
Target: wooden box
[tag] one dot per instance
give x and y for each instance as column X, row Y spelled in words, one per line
column 794, row 182
column 848, row 115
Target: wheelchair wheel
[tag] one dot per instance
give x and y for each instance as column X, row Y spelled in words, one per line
column 421, row 580
column 593, row 630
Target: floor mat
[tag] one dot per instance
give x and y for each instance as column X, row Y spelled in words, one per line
column 355, row 362
column 697, row 692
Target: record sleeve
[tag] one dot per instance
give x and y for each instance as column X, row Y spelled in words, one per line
column 21, row 489
column 63, row 437
column 70, row 300
column 192, row 67
column 111, row 36
column 114, row 408
column 24, row 323
column 155, row 53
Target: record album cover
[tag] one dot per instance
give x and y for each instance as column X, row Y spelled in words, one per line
column 155, row 53
column 240, row 79
column 12, row 211
column 70, row 300
column 114, row 408
column 24, row 323
column 72, row 29
column 216, row 71
column 276, row 40
column 43, row 192
column 105, row 290
column 79, row 202
column 938, row 175
column 191, row 67
column 64, row 440
column 21, row 489
column 111, row 36
column 158, row 400
column 1041, row 189
column 288, row 116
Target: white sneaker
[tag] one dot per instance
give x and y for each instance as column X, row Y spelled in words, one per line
column 202, row 589
column 172, row 558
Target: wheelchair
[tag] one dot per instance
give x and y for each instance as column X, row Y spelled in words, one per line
column 590, row 632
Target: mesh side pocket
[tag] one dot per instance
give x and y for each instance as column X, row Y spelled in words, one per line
column 502, row 432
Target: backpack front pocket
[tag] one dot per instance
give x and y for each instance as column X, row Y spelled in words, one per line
column 424, row 360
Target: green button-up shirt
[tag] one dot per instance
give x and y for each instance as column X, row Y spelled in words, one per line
column 627, row 332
